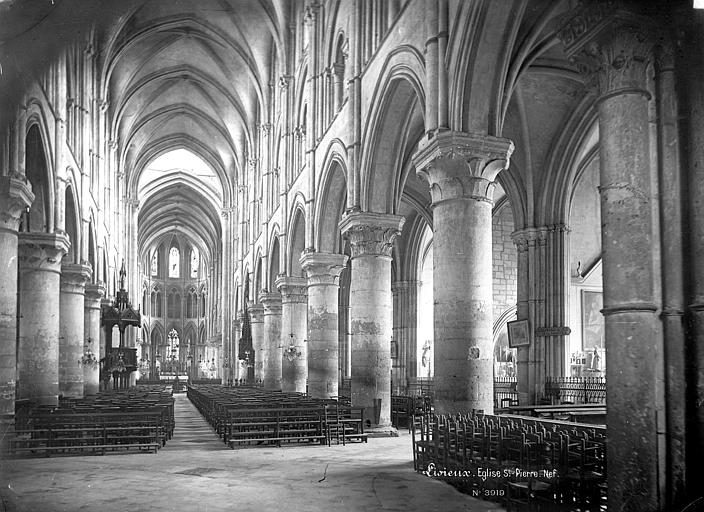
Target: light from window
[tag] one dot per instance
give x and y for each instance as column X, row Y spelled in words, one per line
column 699, row 4
column 155, row 263
column 174, row 269
column 195, row 263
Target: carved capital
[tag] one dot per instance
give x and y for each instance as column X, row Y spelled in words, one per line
column 311, row 12
column 15, row 196
column 132, row 202
column 664, row 56
column 42, row 251
column 285, row 81
column 611, row 46
column 94, row 294
column 323, row 268
column 271, row 303
column 371, row 233
column 405, row 286
column 74, row 277
column 293, row 289
column 462, row 165
column 299, row 133
column 256, row 313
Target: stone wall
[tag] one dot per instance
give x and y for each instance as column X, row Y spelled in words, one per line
column 505, row 261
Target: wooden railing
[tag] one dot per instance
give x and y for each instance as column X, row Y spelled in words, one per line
column 577, row 390
column 505, row 391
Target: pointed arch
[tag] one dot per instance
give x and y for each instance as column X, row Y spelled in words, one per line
column 296, row 238
column 331, row 199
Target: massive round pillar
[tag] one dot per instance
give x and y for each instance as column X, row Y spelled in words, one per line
column 371, row 237
column 323, row 271
column 256, row 315
column 271, row 353
column 72, row 328
column 40, row 257
column 15, row 196
column 294, row 330
column 615, row 57
column 460, row 169
column 91, row 330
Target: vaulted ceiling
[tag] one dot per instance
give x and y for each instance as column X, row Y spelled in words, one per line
column 195, row 76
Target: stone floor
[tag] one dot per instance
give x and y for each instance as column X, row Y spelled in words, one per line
column 196, row 472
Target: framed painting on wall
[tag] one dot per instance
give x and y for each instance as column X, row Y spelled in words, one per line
column 518, row 333
column 592, row 320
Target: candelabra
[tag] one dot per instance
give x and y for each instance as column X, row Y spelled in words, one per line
column 292, row 351
column 88, row 358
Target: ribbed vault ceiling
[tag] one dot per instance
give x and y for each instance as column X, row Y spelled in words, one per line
column 191, row 77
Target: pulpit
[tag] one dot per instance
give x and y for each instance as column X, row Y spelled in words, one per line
column 119, row 362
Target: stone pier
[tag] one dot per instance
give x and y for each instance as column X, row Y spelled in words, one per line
column 15, row 196
column 371, row 237
column 615, row 58
column 72, row 328
column 256, row 315
column 40, row 257
column 294, row 352
column 460, row 169
column 271, row 353
column 323, row 271
column 91, row 329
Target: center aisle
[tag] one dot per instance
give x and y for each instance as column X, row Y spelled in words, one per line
column 191, row 431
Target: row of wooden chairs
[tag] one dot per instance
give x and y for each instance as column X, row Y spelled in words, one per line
column 406, row 407
column 246, row 416
column 129, row 420
column 524, row 463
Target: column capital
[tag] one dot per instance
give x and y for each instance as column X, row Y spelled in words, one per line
column 323, row 268
column 74, row 277
column 462, row 165
column 42, row 251
column 256, row 312
column 400, row 286
column 271, row 302
column 370, row 233
column 94, row 294
column 611, row 44
column 293, row 289
column 15, row 195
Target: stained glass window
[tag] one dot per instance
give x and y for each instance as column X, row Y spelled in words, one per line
column 174, row 267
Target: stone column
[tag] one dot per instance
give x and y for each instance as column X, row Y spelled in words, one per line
column 294, row 321
column 673, row 295
column 91, row 328
column 38, row 352
column 271, row 353
column 460, row 169
column 323, row 271
column 616, row 57
column 71, row 328
column 256, row 314
column 240, row 371
column 371, row 237
column 693, row 67
column 15, row 196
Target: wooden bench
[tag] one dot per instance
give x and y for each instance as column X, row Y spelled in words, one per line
column 274, row 425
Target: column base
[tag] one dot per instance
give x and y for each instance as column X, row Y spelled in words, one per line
column 381, row 431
